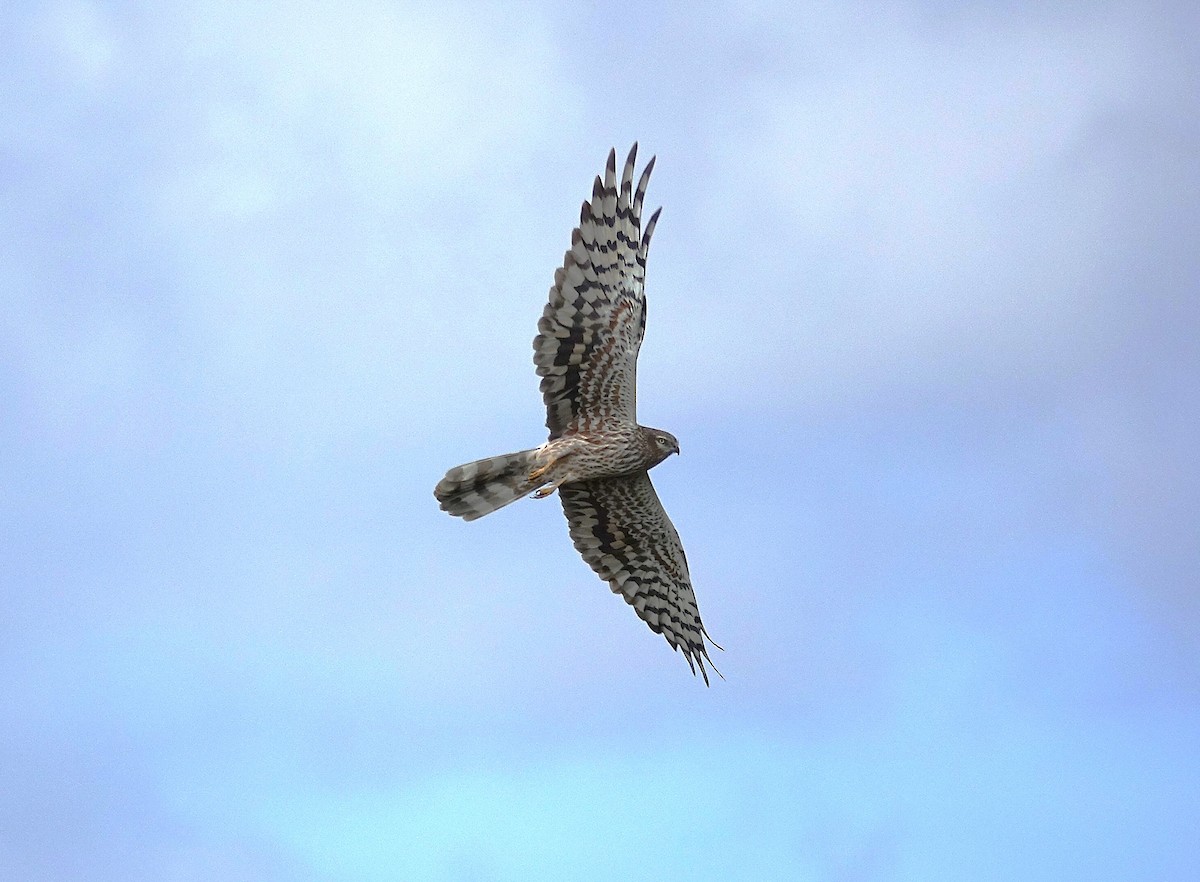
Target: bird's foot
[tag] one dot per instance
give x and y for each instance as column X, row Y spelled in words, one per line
column 536, row 474
column 543, row 492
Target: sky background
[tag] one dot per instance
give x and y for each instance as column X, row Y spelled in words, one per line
column 922, row 312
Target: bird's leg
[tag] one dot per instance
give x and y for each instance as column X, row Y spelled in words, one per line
column 543, row 492
column 539, row 474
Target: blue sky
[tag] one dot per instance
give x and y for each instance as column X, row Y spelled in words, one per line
column 922, row 313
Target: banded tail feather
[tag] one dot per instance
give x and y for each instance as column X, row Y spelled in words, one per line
column 474, row 489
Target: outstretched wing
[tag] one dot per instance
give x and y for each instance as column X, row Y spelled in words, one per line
column 590, row 332
column 624, row 534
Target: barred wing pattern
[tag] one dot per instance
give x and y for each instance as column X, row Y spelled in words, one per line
column 591, row 330
column 624, row 534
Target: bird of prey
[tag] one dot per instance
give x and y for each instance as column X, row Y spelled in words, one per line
column 597, row 456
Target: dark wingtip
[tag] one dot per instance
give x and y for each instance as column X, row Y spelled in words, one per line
column 702, row 653
column 648, row 231
column 710, row 640
column 700, row 659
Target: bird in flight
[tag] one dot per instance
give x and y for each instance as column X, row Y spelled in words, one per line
column 597, row 457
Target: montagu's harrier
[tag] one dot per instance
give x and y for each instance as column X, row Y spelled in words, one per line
column 598, row 456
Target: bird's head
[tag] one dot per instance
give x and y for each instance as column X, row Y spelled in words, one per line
column 662, row 443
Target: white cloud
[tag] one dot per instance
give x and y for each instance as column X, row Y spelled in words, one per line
column 383, row 98
column 336, row 190
column 83, row 40
column 910, row 204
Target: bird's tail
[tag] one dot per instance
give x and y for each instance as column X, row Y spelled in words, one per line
column 474, row 489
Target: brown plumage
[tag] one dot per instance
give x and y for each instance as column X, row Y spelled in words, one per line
column 597, row 456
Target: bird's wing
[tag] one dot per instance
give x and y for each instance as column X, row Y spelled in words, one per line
column 624, row 534
column 591, row 330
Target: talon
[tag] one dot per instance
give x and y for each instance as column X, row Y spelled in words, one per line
column 543, row 492
column 536, row 474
